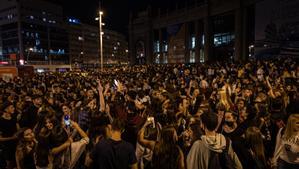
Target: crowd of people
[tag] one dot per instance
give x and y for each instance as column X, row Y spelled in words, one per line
column 202, row 116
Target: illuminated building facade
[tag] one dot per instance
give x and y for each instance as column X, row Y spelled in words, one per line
column 31, row 34
column 192, row 31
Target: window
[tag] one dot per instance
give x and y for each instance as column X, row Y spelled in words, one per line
column 157, row 60
column 165, row 60
column 223, row 39
column 193, row 42
column 192, row 57
column 156, row 47
column 9, row 16
column 201, row 56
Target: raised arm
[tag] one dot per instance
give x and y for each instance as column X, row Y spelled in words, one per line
column 144, row 142
column 79, row 130
column 271, row 93
column 101, row 96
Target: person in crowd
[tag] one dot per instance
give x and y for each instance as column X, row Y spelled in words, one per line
column 30, row 115
column 287, row 145
column 258, row 94
column 167, row 154
column 8, row 129
column 211, row 142
column 25, row 149
column 255, row 149
column 114, row 153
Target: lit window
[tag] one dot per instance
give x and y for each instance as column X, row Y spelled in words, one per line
column 193, row 42
column 192, row 57
column 165, row 60
column 10, row 16
column 157, row 60
column 157, row 46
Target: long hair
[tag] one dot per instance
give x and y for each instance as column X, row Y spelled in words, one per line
column 224, row 99
column 166, row 152
column 290, row 128
column 22, row 142
column 254, row 140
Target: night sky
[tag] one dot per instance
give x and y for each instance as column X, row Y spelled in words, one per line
column 116, row 12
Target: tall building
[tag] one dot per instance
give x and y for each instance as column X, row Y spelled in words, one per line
column 33, row 31
column 192, row 31
column 115, row 48
column 83, row 43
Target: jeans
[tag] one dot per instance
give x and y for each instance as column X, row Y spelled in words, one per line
column 284, row 165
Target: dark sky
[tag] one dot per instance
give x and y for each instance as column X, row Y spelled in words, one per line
column 116, row 12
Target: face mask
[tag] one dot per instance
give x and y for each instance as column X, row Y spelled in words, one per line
column 229, row 123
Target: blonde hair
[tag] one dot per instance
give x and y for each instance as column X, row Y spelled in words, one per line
column 224, row 99
column 290, row 128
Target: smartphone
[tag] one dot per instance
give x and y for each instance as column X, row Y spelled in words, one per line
column 115, row 82
column 152, row 120
column 67, row 120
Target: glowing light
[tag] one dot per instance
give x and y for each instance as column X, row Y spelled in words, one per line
column 21, row 61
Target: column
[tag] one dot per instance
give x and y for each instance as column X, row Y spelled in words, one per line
column 160, row 46
column 238, row 34
column 245, row 44
column 132, row 42
column 186, row 44
column 20, row 38
column 208, row 39
column 198, row 31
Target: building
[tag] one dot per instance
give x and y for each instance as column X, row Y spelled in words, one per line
column 192, row 31
column 83, row 43
column 277, row 28
column 115, row 48
column 31, row 34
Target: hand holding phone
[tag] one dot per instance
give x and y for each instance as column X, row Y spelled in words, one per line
column 151, row 120
column 67, row 120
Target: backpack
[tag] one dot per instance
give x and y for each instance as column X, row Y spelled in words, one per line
column 221, row 160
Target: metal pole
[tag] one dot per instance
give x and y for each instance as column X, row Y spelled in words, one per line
column 101, row 37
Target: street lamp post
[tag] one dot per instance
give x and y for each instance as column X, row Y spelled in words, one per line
column 29, row 50
column 101, row 35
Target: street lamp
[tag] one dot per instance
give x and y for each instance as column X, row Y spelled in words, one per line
column 101, row 34
column 29, row 50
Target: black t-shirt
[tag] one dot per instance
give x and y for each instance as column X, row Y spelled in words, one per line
column 110, row 154
column 8, row 127
column 29, row 117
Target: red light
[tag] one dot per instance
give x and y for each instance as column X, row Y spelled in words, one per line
column 3, row 63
